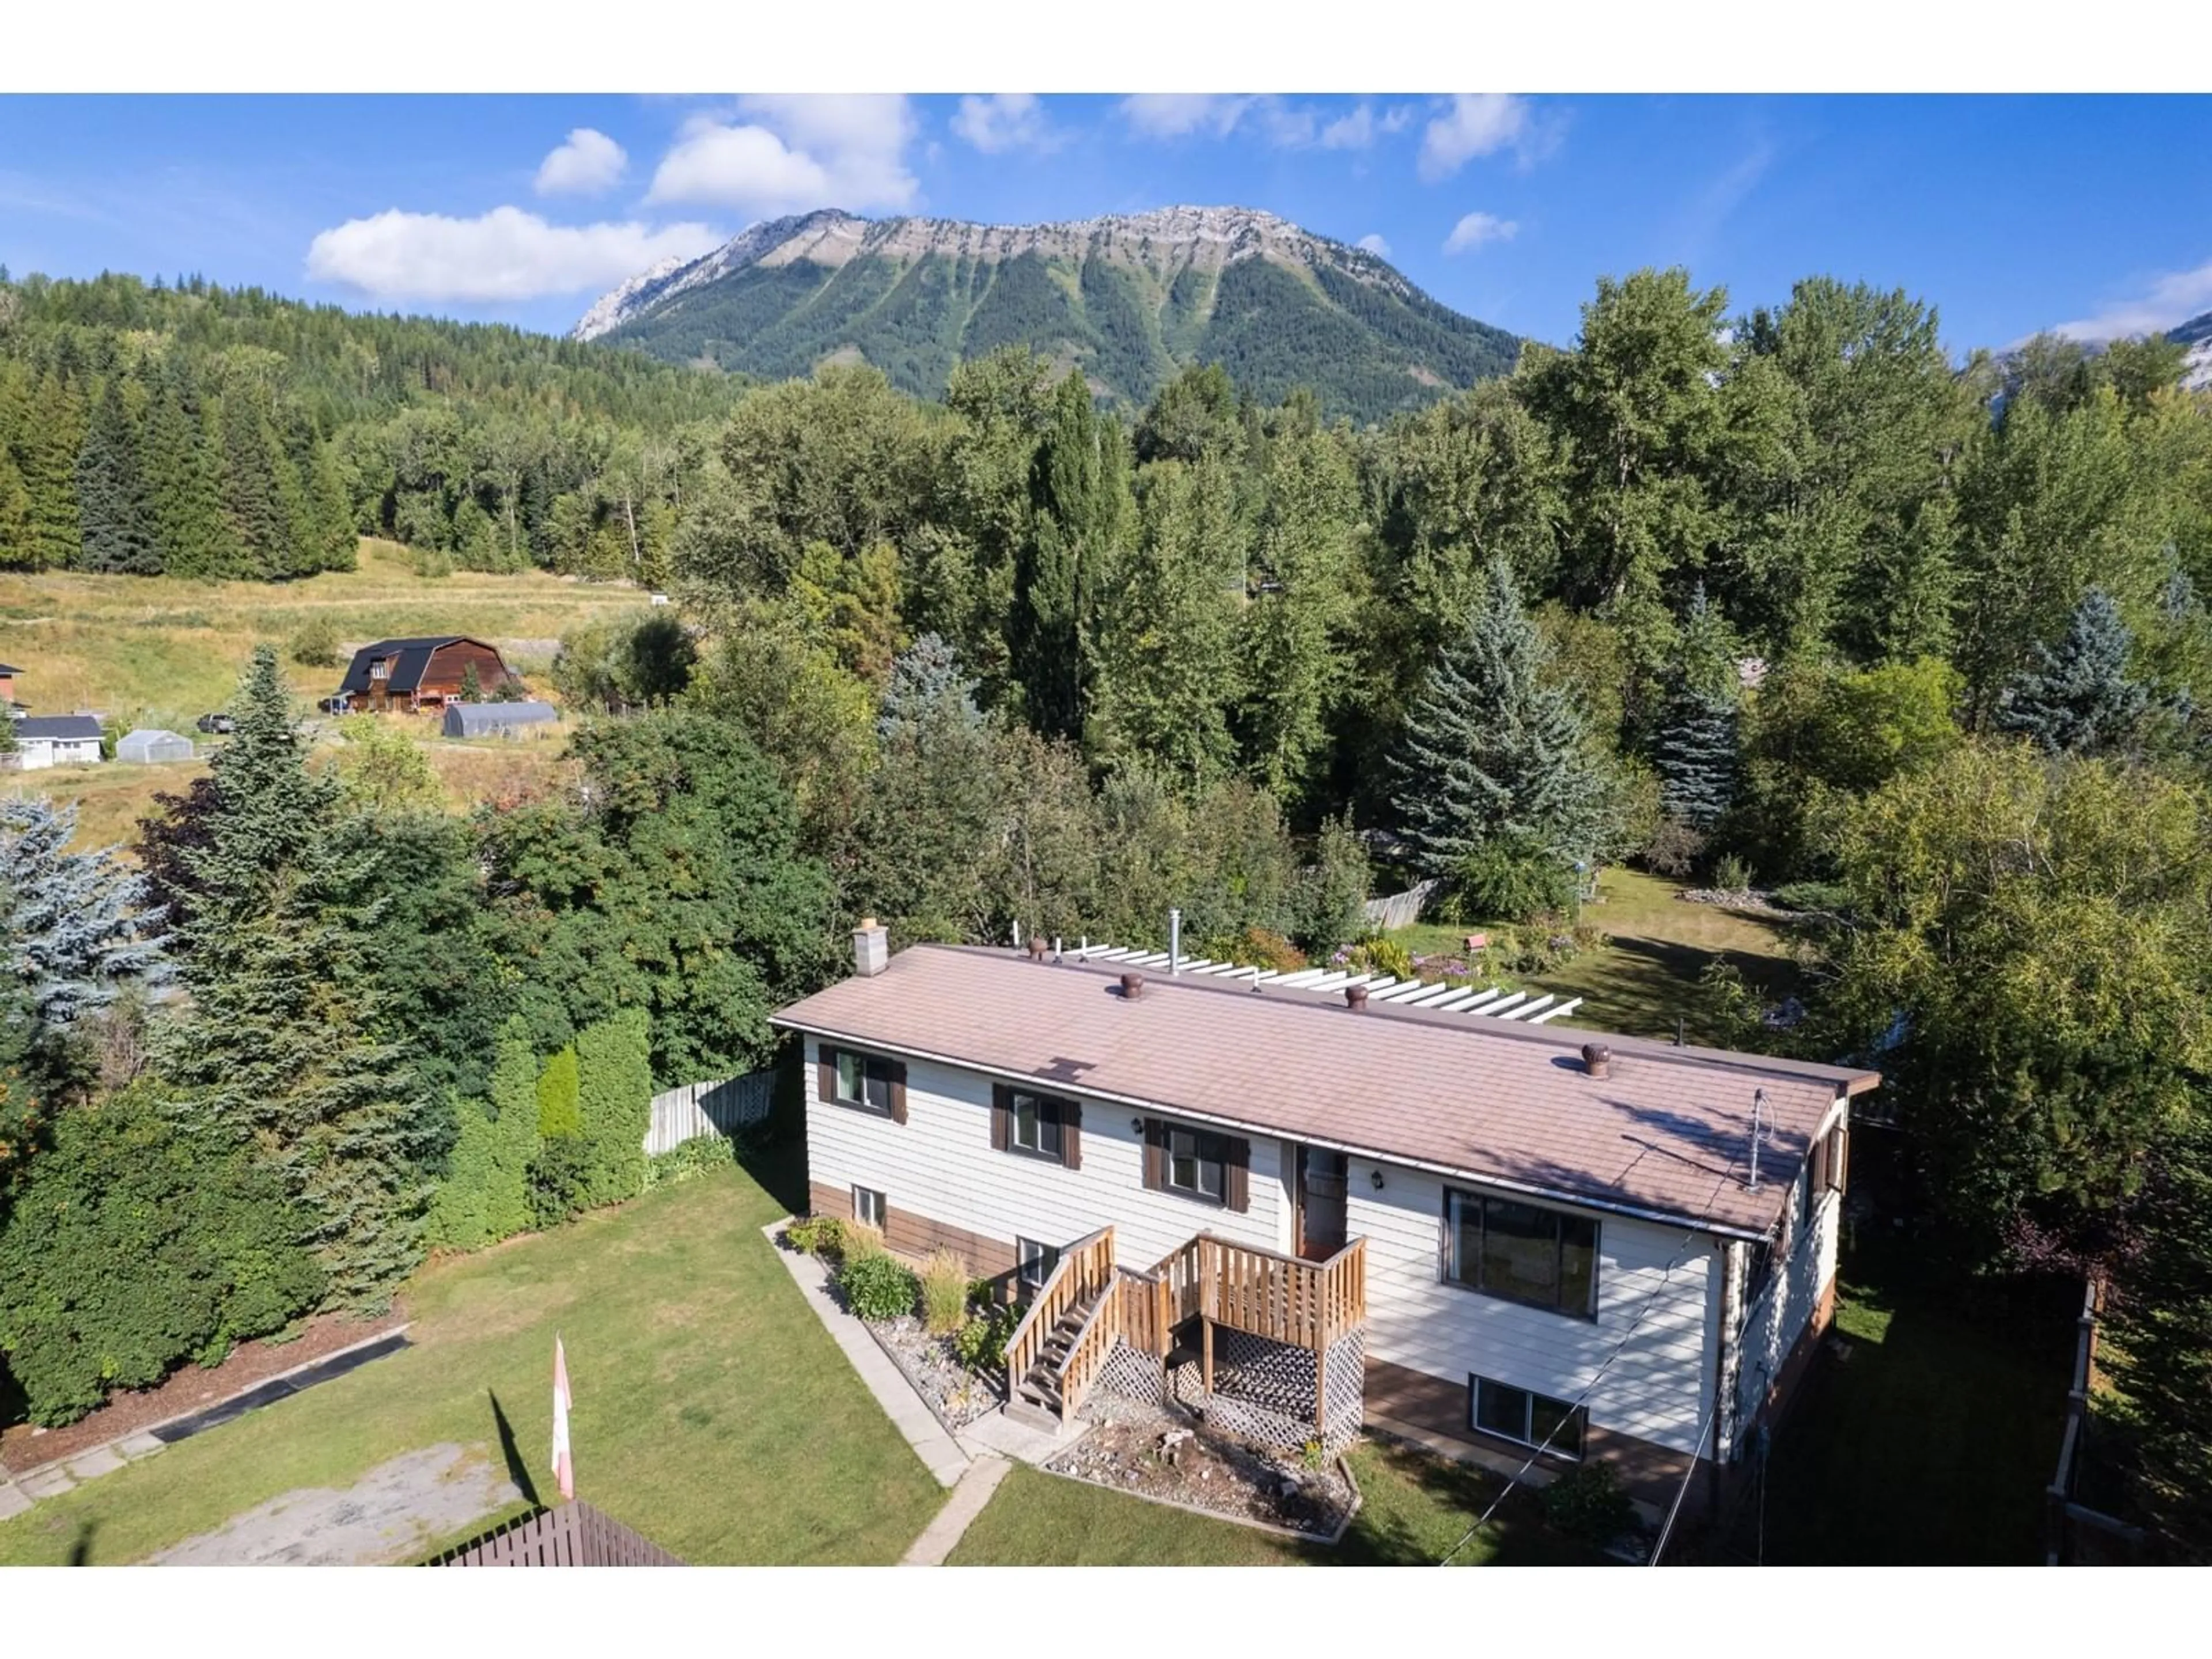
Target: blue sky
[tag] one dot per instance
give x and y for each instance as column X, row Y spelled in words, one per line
column 2009, row 213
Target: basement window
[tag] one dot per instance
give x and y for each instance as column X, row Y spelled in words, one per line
column 868, row 1207
column 1033, row 1262
column 1527, row 1418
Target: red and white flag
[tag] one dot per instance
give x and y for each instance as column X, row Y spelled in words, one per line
column 563, row 1470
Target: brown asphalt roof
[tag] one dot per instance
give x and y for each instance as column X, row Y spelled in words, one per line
column 1668, row 1131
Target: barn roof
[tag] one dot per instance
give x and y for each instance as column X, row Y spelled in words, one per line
column 409, row 658
column 1666, row 1133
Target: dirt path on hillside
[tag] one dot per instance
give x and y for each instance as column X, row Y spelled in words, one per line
column 393, row 1513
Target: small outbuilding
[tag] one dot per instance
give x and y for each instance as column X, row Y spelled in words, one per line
column 150, row 746
column 46, row 740
column 500, row 720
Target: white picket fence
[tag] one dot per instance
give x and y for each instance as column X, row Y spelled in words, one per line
column 719, row 1108
column 1400, row 909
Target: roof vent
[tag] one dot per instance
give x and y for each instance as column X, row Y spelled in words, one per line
column 1133, row 987
column 1355, row 998
column 1036, row 948
column 1597, row 1058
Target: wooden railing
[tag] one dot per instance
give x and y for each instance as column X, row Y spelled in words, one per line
column 1307, row 1304
column 1085, row 1268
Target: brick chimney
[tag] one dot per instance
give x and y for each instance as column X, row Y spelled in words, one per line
column 871, row 949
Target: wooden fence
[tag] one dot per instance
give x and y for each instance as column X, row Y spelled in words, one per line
column 2075, row 1533
column 1400, row 909
column 719, row 1108
column 573, row 1536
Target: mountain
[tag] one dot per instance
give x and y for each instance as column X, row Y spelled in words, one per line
column 1132, row 298
column 2197, row 335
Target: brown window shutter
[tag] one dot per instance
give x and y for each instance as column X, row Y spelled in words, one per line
column 1071, row 1134
column 1819, row 1167
column 898, row 1090
column 825, row 1073
column 1002, row 1115
column 1839, row 1156
column 1156, row 1154
column 1237, row 1177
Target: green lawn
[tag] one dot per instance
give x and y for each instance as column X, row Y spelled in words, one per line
column 711, row 1410
column 1932, row 1444
column 1417, row 1507
column 1646, row 977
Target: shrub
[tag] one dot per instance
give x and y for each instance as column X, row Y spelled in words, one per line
column 135, row 1243
column 878, row 1286
column 1673, row 848
column 695, row 1158
column 1832, row 896
column 559, row 1111
column 557, row 1177
column 857, row 1241
column 1383, row 956
column 943, row 1293
column 509, row 1208
column 1586, row 1503
column 614, row 1088
column 459, row 1215
column 1731, row 874
column 980, row 1343
column 315, row 644
column 1511, row 877
column 817, row 1235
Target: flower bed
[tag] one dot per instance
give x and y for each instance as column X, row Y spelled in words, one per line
column 1150, row 1451
column 957, row 1395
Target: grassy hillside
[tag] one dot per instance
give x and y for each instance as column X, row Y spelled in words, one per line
column 162, row 650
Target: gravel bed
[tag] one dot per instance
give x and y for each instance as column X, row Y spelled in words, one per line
column 1750, row 901
column 1151, row 1451
column 956, row 1393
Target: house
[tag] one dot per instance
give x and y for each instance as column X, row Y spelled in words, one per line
column 417, row 674
column 1302, row 1203
column 148, row 746
column 500, row 720
column 8, row 685
column 56, row 740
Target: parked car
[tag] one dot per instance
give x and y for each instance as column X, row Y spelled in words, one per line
column 213, row 723
column 337, row 705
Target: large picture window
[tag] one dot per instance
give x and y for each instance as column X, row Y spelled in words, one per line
column 1522, row 1252
column 1195, row 1163
column 1526, row 1417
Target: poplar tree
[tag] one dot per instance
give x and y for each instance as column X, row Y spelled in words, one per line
column 1490, row 753
column 1080, row 509
column 280, row 1047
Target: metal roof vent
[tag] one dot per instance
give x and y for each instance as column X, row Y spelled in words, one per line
column 1597, row 1058
column 1036, row 948
column 1133, row 987
column 1355, row 998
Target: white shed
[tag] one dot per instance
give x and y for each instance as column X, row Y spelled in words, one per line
column 150, row 744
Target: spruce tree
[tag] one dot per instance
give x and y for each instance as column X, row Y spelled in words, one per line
column 183, row 474
column 74, row 927
column 1490, row 753
column 2078, row 698
column 115, row 511
column 281, row 1045
column 1696, row 750
column 254, row 496
column 14, row 514
column 45, row 456
column 927, row 690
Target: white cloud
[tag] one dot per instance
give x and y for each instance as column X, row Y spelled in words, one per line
column 1004, row 121
column 1476, row 229
column 2171, row 297
column 1353, row 131
column 588, row 163
column 1373, row 242
column 799, row 151
column 1180, row 114
column 1476, row 123
column 504, row 254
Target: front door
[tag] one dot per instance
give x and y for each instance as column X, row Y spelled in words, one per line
column 1320, row 1203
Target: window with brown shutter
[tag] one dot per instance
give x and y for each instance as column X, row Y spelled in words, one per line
column 1156, row 1144
column 825, row 1074
column 865, row 1083
column 1237, row 1175
column 1036, row 1126
column 1002, row 1106
column 1819, row 1167
column 897, row 1091
column 1071, row 1134
column 1839, row 1156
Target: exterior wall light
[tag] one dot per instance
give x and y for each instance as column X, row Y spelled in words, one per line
column 1137, row 1127
column 1376, row 1177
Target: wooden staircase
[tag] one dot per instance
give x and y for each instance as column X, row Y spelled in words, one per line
column 1040, row 1397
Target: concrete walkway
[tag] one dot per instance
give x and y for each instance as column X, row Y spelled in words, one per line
column 960, row 1510
column 908, row 1414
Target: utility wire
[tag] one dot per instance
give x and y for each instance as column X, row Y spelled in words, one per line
column 1681, row 1255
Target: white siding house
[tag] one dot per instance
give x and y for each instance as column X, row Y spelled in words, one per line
column 56, row 740
column 1567, row 1233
